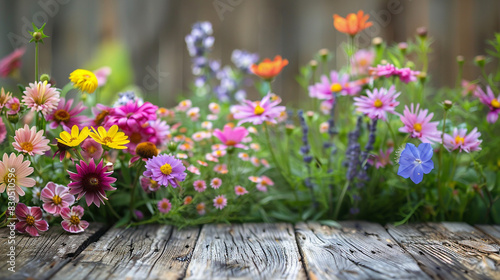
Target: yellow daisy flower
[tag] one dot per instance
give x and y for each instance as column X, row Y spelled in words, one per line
column 75, row 138
column 84, row 80
column 111, row 138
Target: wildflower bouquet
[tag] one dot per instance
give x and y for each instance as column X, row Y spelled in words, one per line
column 352, row 151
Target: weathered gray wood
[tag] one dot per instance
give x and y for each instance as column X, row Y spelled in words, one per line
column 492, row 230
column 360, row 250
column 246, row 251
column 40, row 257
column 143, row 252
column 447, row 250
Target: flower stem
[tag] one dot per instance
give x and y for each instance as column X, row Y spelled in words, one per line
column 112, row 210
column 440, row 171
column 132, row 191
column 341, row 199
column 392, row 133
column 36, row 62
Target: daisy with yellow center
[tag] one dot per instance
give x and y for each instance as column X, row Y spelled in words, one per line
column 111, row 138
column 84, row 80
column 495, row 103
column 75, row 138
column 336, row 87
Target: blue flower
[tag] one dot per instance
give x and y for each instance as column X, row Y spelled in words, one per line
column 415, row 162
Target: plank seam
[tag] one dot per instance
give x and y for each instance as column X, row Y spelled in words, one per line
column 162, row 252
column 71, row 256
column 192, row 252
column 301, row 253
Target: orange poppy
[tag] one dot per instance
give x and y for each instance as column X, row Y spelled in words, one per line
column 268, row 69
column 353, row 23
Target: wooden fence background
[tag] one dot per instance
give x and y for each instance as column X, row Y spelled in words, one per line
column 153, row 32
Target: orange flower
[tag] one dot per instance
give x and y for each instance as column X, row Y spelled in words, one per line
column 268, row 69
column 352, row 24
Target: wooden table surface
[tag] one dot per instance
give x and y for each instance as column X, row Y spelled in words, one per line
column 358, row 250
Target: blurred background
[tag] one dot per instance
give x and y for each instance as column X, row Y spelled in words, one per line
column 143, row 41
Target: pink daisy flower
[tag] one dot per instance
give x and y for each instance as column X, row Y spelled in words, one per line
column 490, row 101
column 407, row 75
column 91, row 149
column 11, row 62
column 361, row 62
column 161, row 132
column 193, row 113
column 200, row 185
column 383, row 70
column 21, row 170
column 72, row 219
column 263, row 183
column 463, row 141
column 41, row 97
column 265, row 162
column 164, row 205
column 131, row 115
column 418, row 123
column 30, row 220
column 200, row 208
column 244, row 156
column 255, row 161
column 216, row 183
column 219, row 153
column 221, row 168
column 382, row 159
column 188, row 199
column 211, row 158
column 239, row 190
column 338, row 83
column 468, row 87
column 231, row 137
column 149, row 185
column 193, row 169
column 220, row 202
column 214, row 108
column 56, row 197
column 259, row 111
column 166, row 170
column 378, row 103
column 66, row 117
column 13, row 105
column 254, row 179
column 184, row 105
column 30, row 141
column 3, row 131
column 137, row 135
column 91, row 181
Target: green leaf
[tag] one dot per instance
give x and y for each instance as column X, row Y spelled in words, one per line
column 330, row 223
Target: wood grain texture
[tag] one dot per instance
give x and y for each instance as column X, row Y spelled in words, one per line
column 448, row 250
column 40, row 257
column 143, row 252
column 360, row 250
column 491, row 230
column 246, row 251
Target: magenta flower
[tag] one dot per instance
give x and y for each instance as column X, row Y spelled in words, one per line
column 30, row 141
column 13, row 105
column 41, row 97
column 30, row 220
column 382, row 159
column 407, row 75
column 137, row 135
column 166, row 170
column 463, row 141
column 72, row 219
column 164, row 205
column 259, row 111
column 239, row 190
column 361, row 62
column 231, row 137
column 91, row 149
column 490, row 101
column 336, row 84
column 11, row 62
column 418, row 124
column 3, row 131
column 91, row 181
column 66, row 117
column 200, row 185
column 220, row 202
column 378, row 103
column 55, row 197
column 383, row 70
column 131, row 115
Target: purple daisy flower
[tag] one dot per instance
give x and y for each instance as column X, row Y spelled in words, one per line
column 91, row 181
column 378, row 103
column 165, row 170
column 259, row 111
column 338, row 83
column 66, row 117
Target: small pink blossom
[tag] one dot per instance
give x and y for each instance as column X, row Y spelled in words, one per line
column 231, row 137
column 463, row 141
column 72, row 219
column 239, row 190
column 200, row 185
column 263, row 183
column 102, row 75
column 214, row 108
column 259, row 111
column 490, row 101
column 361, row 62
column 149, row 185
column 11, row 62
column 193, row 113
column 216, row 183
column 221, row 169
column 56, row 197
column 30, row 141
column 164, row 205
column 14, row 105
column 382, row 159
column 184, row 105
column 418, row 123
column 200, row 208
column 91, row 149
column 378, row 103
column 220, row 202
column 30, row 220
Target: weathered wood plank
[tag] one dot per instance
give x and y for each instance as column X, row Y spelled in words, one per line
column 40, row 257
column 492, row 230
column 143, row 252
column 360, row 250
column 449, row 250
column 246, row 251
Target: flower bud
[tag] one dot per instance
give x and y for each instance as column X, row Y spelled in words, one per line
column 460, row 60
column 422, row 32
column 422, row 76
column 377, row 41
column 480, row 60
column 447, row 104
column 45, row 78
column 313, row 64
column 13, row 118
column 37, row 36
column 403, row 46
column 324, row 54
column 172, row 146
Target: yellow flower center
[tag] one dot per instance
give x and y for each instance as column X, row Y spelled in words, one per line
column 30, row 220
column 378, row 103
column 154, row 184
column 417, row 127
column 7, row 179
column 107, row 140
column 61, row 115
column 336, row 87
column 74, row 220
column 459, row 140
column 94, row 181
column 495, row 103
column 91, row 150
column 220, row 200
column 166, row 169
column 363, row 62
column 258, row 110
column 14, row 107
column 27, row 146
column 57, row 200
